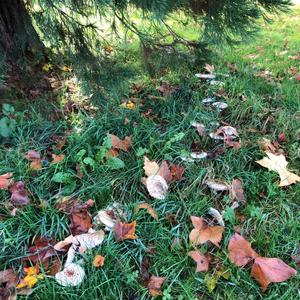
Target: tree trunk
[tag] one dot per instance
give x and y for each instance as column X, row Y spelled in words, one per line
column 17, row 34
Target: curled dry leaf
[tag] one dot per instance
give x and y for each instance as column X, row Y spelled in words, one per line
column 201, row 261
column 154, row 285
column 5, row 181
column 240, row 251
column 151, row 211
column 35, row 158
column 237, row 191
column 150, row 167
column 267, row 270
column 19, row 195
column 279, row 164
column 98, row 261
column 157, row 186
column 72, row 275
column 125, row 231
column 119, row 144
column 203, row 233
column 217, row 185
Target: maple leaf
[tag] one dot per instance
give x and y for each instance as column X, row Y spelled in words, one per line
column 150, row 167
column 154, row 285
column 203, row 233
column 119, row 144
column 98, row 261
column 201, row 260
column 151, row 211
column 240, row 251
column 279, row 164
column 19, row 195
column 267, row 270
column 35, row 158
column 5, row 181
column 125, row 231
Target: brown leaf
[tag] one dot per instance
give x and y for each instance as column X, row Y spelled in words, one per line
column 19, row 195
column 239, row 251
column 237, row 191
column 8, row 281
column 267, row 270
column 35, row 158
column 270, row 146
column 177, row 172
column 150, row 167
column 119, row 144
column 279, row 164
column 201, row 260
column 203, row 233
column 165, row 172
column 151, row 211
column 98, row 261
column 5, row 181
column 154, row 285
column 57, row 158
column 59, row 140
column 125, row 231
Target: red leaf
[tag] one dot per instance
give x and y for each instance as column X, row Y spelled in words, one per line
column 240, row 251
column 125, row 231
column 267, row 270
column 154, row 285
column 19, row 195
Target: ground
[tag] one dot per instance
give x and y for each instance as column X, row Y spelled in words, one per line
column 263, row 95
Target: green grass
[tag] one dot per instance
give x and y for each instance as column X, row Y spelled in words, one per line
column 272, row 222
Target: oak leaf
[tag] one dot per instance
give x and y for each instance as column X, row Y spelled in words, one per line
column 125, row 231
column 203, row 233
column 201, row 260
column 279, row 164
column 240, row 251
column 267, row 270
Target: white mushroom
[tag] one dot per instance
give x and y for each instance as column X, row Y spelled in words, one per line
column 199, row 155
column 72, row 275
column 157, row 186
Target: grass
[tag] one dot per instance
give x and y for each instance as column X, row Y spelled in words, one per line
column 258, row 107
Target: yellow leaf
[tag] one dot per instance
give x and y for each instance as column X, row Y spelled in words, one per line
column 128, row 105
column 31, row 278
column 279, row 164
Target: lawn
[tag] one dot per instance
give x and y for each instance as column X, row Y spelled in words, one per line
column 263, row 97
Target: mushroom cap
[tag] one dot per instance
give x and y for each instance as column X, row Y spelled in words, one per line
column 71, row 275
column 157, row 186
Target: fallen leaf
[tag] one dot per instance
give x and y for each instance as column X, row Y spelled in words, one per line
column 270, row 146
column 212, row 280
column 177, row 172
column 57, row 158
column 203, row 233
column 72, row 275
column 5, row 181
column 19, row 195
column 201, row 260
column 224, row 132
column 31, row 278
column 165, row 172
column 239, row 251
column 151, row 211
column 150, row 167
column 129, row 105
column 8, row 281
column 157, row 186
column 154, row 285
column 98, row 261
column 237, row 191
column 35, row 158
column 267, row 270
column 125, row 231
column 119, row 144
column 279, row 164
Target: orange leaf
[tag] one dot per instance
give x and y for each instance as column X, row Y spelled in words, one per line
column 125, row 231
column 5, row 181
column 35, row 158
column 151, row 211
column 240, row 251
column 204, row 233
column 57, row 158
column 201, row 260
column 98, row 261
column 119, row 144
column 154, row 285
column 267, row 270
